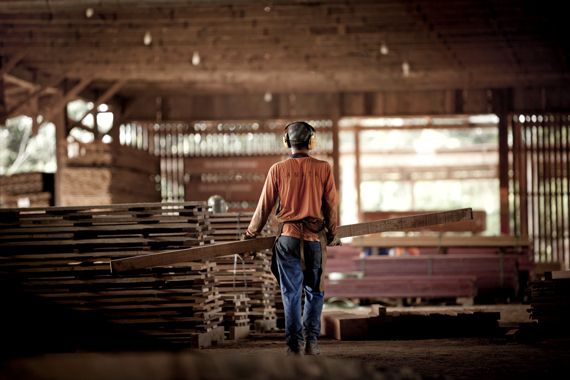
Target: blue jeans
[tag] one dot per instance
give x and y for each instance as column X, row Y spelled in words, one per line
column 292, row 280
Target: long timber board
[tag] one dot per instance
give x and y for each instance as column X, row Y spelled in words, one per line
column 223, row 249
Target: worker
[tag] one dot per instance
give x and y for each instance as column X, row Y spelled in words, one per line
column 303, row 190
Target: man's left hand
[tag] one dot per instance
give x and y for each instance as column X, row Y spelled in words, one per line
column 247, row 236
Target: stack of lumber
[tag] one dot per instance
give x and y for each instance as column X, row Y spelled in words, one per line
column 250, row 275
column 229, row 226
column 236, row 315
column 341, row 259
column 63, row 254
column 400, row 286
column 262, row 292
column 27, row 190
column 550, row 303
column 491, row 271
column 279, row 307
column 142, row 226
column 107, row 173
column 409, row 325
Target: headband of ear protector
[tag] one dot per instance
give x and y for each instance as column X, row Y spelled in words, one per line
column 300, row 132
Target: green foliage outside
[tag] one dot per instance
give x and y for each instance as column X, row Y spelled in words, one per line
column 20, row 151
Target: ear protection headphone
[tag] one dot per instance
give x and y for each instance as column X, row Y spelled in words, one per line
column 312, row 143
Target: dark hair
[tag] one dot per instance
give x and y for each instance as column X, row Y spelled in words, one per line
column 301, row 145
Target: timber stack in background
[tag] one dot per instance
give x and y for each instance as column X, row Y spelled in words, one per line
column 27, row 190
column 550, row 303
column 105, row 173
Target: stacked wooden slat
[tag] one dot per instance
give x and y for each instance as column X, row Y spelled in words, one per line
column 409, row 325
column 106, row 174
column 261, row 291
column 401, row 286
column 236, row 315
column 341, row 259
column 63, row 254
column 492, row 272
column 251, row 276
column 229, row 226
column 105, row 228
column 27, row 190
column 550, row 303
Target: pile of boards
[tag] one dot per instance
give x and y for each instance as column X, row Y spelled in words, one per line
column 487, row 267
column 110, row 173
column 63, row 254
column 27, row 190
column 248, row 274
column 380, row 324
column 550, row 303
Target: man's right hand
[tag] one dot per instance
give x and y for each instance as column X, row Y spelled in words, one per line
column 332, row 240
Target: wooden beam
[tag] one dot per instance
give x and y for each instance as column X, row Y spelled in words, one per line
column 261, row 243
column 36, row 91
column 20, row 82
column 58, row 107
column 101, row 99
column 12, row 62
column 3, row 113
column 33, row 96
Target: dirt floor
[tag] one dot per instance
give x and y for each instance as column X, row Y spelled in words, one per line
column 496, row 357
column 262, row 356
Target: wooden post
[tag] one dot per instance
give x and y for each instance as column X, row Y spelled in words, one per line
column 3, row 109
column 59, row 120
column 501, row 106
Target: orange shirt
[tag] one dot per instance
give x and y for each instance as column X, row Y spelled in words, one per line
column 304, row 186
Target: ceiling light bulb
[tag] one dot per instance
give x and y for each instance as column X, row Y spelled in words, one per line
column 147, row 39
column 384, row 49
column 267, row 9
column 405, row 69
column 196, row 58
column 268, row 97
column 89, row 12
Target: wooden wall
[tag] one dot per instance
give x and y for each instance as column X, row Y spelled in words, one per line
column 178, row 107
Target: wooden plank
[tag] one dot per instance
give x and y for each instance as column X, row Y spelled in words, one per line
column 185, row 255
column 224, row 249
column 405, row 223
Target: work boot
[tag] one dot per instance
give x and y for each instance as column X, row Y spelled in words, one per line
column 312, row 348
column 296, row 349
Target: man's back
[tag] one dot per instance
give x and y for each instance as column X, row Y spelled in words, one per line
column 302, row 184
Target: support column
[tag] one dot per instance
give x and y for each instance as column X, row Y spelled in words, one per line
column 59, row 120
column 502, row 106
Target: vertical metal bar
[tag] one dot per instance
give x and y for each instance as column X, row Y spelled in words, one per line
column 559, row 188
column 516, row 175
column 535, row 190
column 541, row 203
column 357, row 170
column 530, row 178
column 546, row 174
column 565, row 130
column 504, row 128
column 523, row 181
